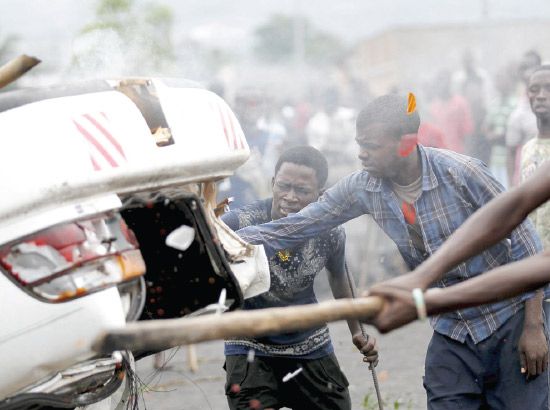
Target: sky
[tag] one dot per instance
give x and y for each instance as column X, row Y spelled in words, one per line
column 49, row 25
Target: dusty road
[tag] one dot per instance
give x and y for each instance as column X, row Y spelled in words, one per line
column 399, row 372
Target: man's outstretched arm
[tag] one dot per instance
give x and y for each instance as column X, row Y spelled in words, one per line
column 336, row 206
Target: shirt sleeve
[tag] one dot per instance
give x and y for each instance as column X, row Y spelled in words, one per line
column 337, row 205
column 231, row 219
column 483, row 187
column 336, row 263
column 466, row 121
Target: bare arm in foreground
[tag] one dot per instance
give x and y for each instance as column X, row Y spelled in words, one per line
column 497, row 284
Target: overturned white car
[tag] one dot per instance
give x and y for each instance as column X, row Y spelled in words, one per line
column 108, row 214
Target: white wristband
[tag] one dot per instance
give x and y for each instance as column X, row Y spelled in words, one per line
column 418, row 297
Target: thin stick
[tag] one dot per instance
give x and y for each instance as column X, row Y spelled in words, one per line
column 192, row 358
column 164, row 334
column 15, row 68
column 351, row 285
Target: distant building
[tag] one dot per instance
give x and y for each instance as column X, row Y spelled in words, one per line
column 408, row 57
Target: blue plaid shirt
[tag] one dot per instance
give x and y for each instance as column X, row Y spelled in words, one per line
column 454, row 186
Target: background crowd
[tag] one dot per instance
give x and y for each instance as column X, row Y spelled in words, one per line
column 467, row 109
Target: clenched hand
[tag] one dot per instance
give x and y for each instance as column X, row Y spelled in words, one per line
column 533, row 350
column 367, row 346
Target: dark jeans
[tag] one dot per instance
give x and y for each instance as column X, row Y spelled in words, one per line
column 483, row 376
column 320, row 385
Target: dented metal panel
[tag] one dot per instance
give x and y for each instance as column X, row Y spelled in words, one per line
column 24, row 355
column 71, row 151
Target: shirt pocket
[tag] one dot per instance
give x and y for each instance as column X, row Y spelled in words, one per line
column 498, row 255
column 442, row 214
column 332, row 372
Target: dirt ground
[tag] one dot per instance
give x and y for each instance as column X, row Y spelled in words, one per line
column 399, row 372
column 372, row 257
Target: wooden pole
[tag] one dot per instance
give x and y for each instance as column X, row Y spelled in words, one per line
column 192, row 358
column 15, row 68
column 156, row 335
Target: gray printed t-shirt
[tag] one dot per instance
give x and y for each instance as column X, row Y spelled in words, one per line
column 292, row 274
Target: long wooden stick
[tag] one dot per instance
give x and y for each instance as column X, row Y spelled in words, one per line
column 192, row 358
column 15, row 68
column 164, row 334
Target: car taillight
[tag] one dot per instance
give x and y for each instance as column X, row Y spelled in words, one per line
column 70, row 260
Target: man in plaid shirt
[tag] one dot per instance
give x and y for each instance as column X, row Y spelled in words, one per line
column 419, row 196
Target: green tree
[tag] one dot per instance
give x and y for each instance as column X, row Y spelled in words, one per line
column 127, row 37
column 285, row 38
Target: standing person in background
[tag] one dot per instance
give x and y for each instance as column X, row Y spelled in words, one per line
column 473, row 83
column 249, row 181
column 522, row 124
column 330, row 130
column 494, row 127
column 431, row 136
column 450, row 114
column 300, row 175
column 537, row 150
column 271, row 122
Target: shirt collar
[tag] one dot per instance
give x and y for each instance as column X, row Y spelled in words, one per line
column 429, row 180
